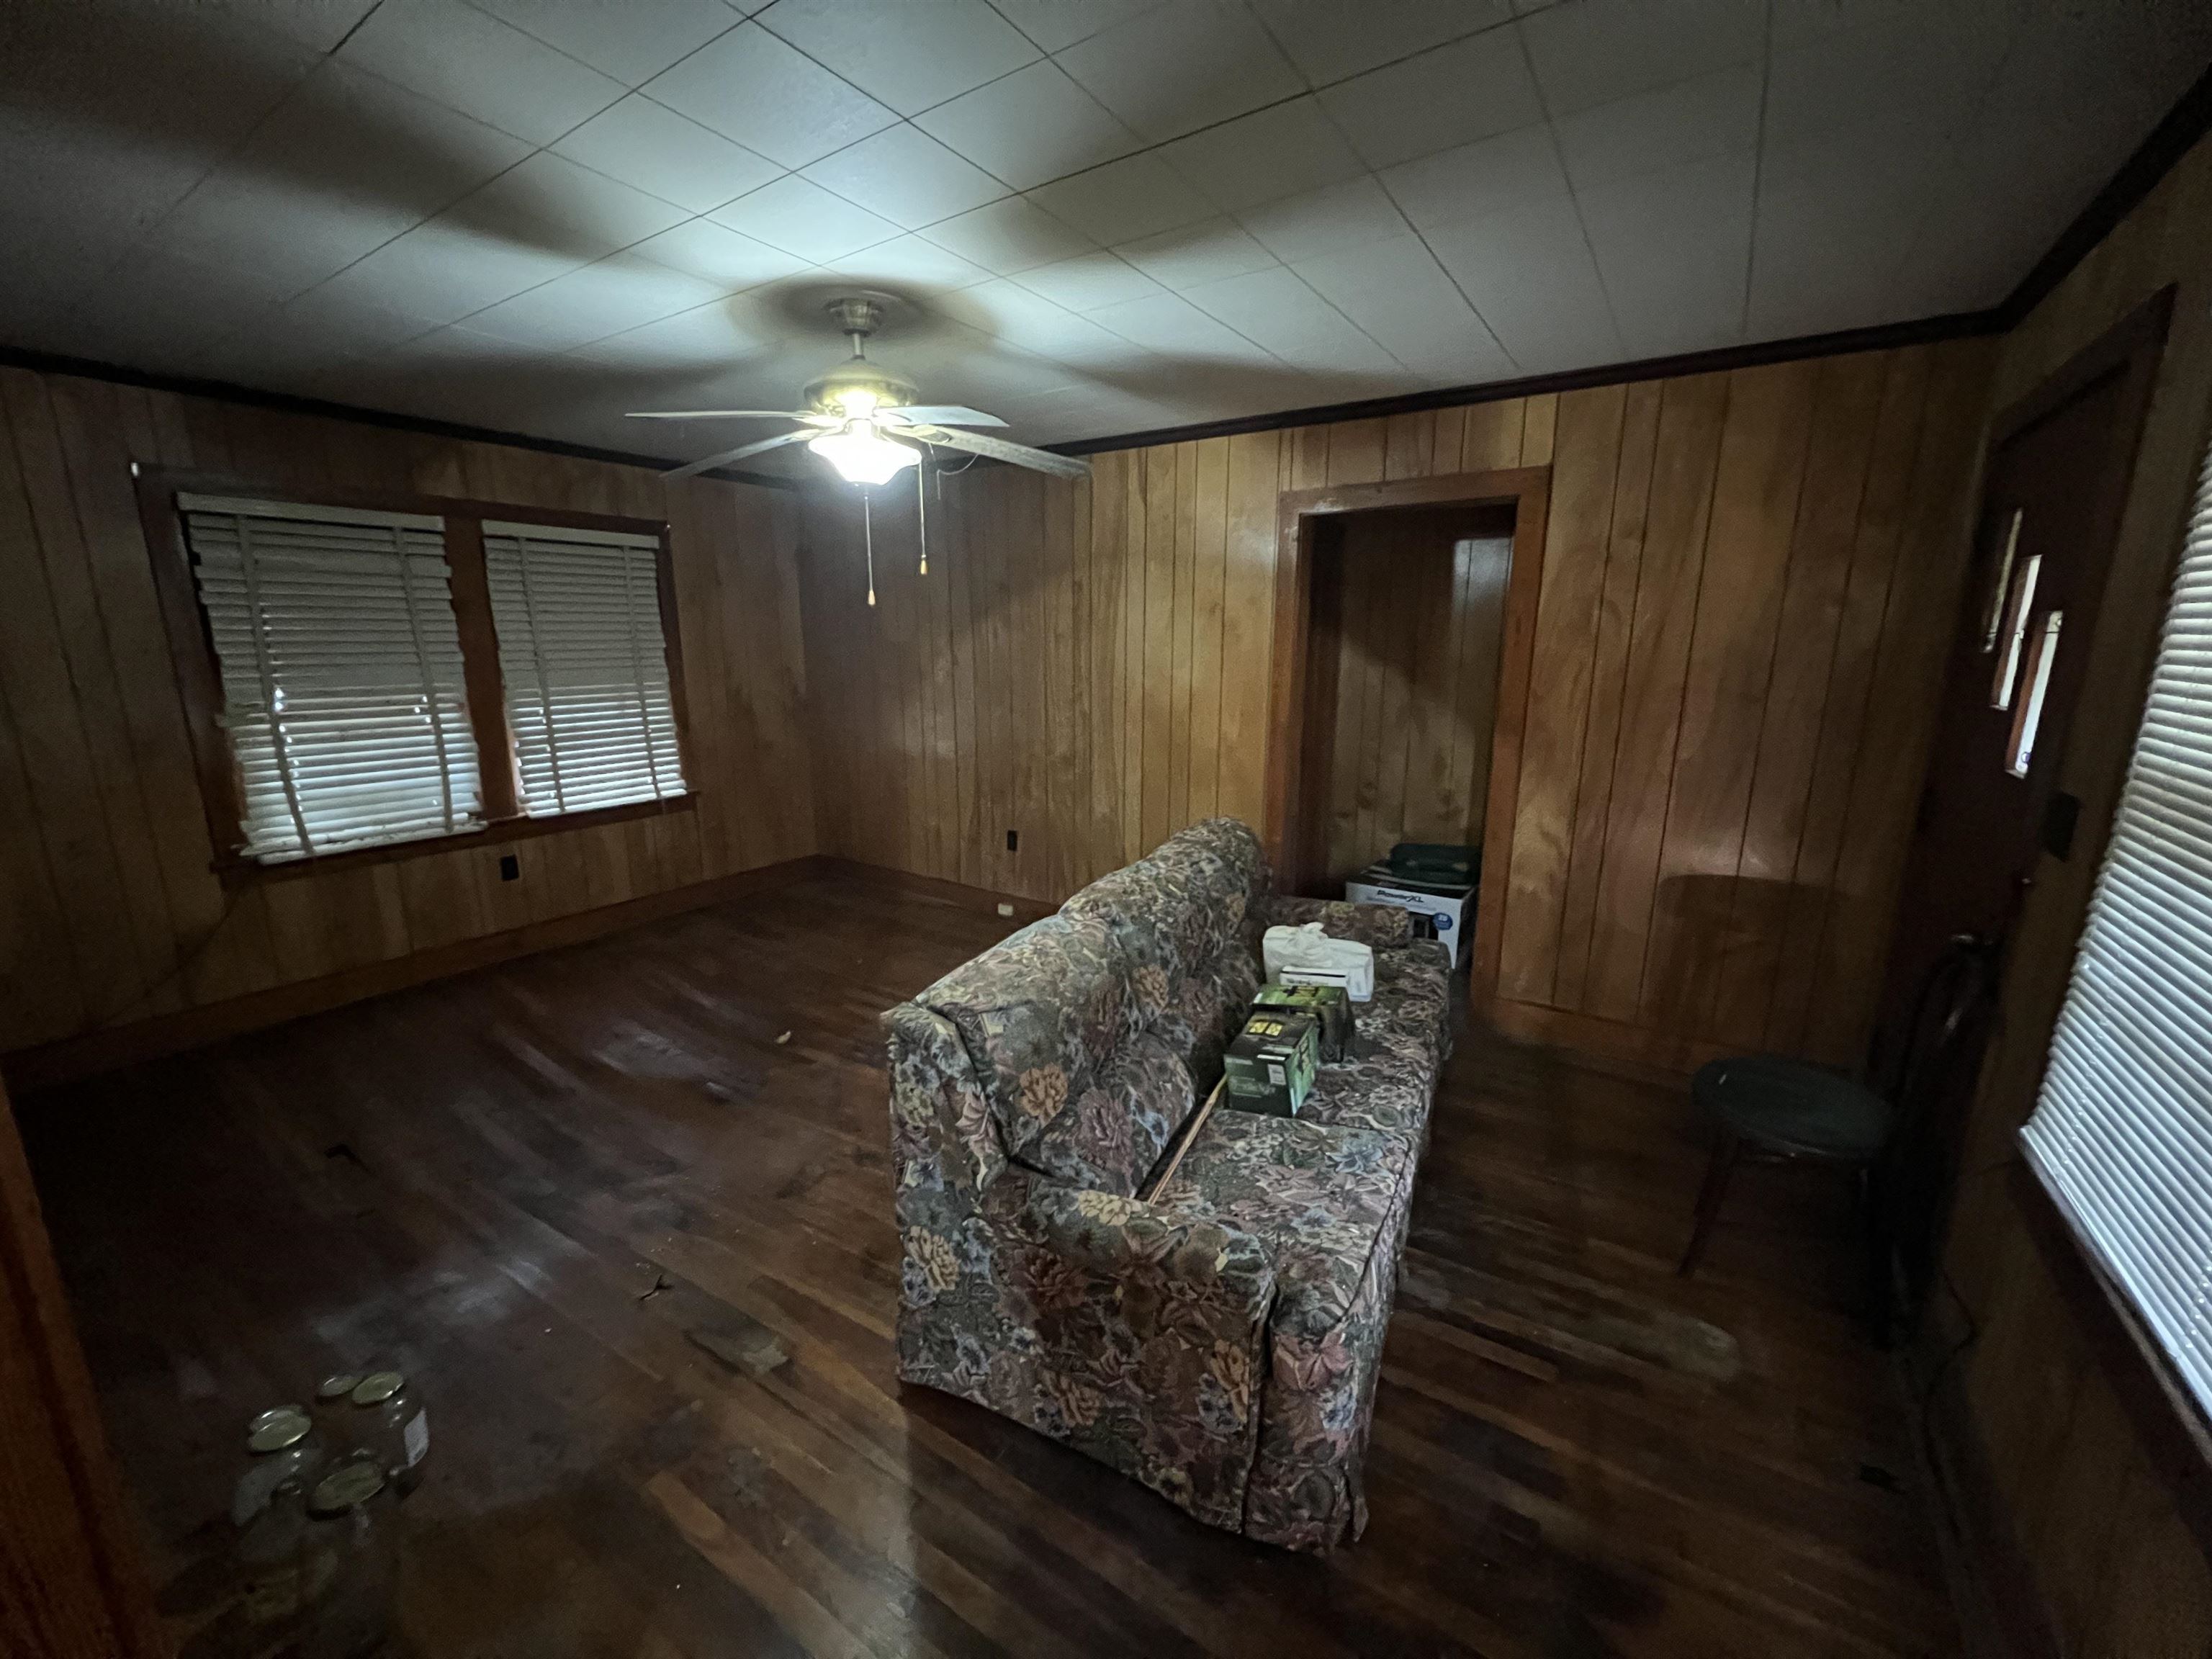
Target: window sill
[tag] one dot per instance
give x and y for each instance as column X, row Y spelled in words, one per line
column 243, row 871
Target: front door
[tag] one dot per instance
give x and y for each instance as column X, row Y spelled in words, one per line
column 2057, row 477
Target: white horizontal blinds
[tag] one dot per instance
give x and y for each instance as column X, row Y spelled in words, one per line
column 2123, row 1133
column 578, row 614
column 341, row 663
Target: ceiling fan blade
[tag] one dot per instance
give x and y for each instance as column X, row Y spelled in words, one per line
column 721, row 415
column 998, row 449
column 943, row 415
column 739, row 453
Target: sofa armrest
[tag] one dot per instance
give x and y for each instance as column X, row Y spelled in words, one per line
column 1125, row 1239
column 1384, row 926
column 945, row 1148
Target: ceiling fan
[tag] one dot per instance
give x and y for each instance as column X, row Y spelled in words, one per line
column 863, row 421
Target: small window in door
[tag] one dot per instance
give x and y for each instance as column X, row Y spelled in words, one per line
column 2001, row 579
column 2042, row 652
column 2012, row 639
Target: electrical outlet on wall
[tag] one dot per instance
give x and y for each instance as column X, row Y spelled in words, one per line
column 1005, row 909
column 1013, row 840
column 510, row 867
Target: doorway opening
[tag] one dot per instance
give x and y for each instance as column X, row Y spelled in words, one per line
column 1408, row 621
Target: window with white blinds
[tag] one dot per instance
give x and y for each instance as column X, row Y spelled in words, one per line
column 343, row 692
column 2121, row 1134
column 578, row 615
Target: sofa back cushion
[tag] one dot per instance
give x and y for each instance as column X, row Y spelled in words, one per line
column 1040, row 1013
column 1185, row 916
column 1180, row 906
column 1113, row 1132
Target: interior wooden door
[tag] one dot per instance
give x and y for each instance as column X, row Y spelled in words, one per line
column 2056, row 482
column 71, row 1586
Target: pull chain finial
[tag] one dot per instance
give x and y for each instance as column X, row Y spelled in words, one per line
column 922, row 515
column 868, row 537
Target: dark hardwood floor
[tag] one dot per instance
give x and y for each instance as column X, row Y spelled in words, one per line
column 574, row 1196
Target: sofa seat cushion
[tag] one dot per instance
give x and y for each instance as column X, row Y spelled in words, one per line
column 1319, row 1199
column 1388, row 1080
column 1112, row 1132
column 1040, row 1013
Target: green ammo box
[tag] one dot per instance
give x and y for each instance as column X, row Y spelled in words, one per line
column 1269, row 1066
column 1327, row 1003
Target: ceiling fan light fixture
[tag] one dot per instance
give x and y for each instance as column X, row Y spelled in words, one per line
column 862, row 454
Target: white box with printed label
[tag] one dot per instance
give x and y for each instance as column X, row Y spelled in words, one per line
column 1446, row 914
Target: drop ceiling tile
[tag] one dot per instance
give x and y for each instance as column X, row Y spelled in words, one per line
column 1030, row 127
column 751, row 87
column 1529, row 273
column 1206, row 252
column 907, row 176
column 651, row 148
column 1674, row 250
column 1401, row 299
column 1169, row 325
column 1005, row 311
column 1088, row 282
column 718, row 255
column 1694, row 120
column 467, row 61
column 444, row 269
column 800, row 217
column 319, row 25
column 1927, row 73
column 909, row 264
column 1123, row 200
column 550, row 203
column 1278, row 311
column 1449, row 95
column 275, row 229
column 906, row 56
column 1054, row 24
column 1283, row 151
column 354, row 327
column 632, row 43
column 1595, row 50
column 708, row 337
column 606, row 298
column 1180, row 67
column 1319, row 220
column 1487, row 176
column 1330, row 41
column 1008, row 236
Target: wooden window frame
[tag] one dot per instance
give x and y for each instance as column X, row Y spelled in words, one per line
column 199, row 679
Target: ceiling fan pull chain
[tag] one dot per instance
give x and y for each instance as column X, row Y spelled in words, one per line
column 868, row 537
column 922, row 516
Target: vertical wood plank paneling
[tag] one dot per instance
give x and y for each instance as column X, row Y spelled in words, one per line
column 1762, row 462
column 1106, row 690
column 1847, row 400
column 1916, row 634
column 1624, row 563
column 1691, row 413
column 105, row 866
column 1566, row 626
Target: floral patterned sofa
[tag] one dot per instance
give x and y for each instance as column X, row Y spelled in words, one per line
column 1220, row 1342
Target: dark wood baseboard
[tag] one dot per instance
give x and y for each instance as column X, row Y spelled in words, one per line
column 95, row 1052
column 1021, row 910
column 1633, row 1051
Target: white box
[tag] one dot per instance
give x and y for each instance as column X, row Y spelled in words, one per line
column 1445, row 911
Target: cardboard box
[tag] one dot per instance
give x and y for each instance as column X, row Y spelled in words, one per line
column 1441, row 909
column 1327, row 1003
column 1269, row 1066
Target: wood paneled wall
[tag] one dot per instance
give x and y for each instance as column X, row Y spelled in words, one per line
column 112, row 913
column 1409, row 616
column 1748, row 581
column 2053, row 1476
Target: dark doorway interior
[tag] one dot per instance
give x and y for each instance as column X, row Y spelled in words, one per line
column 1401, row 689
